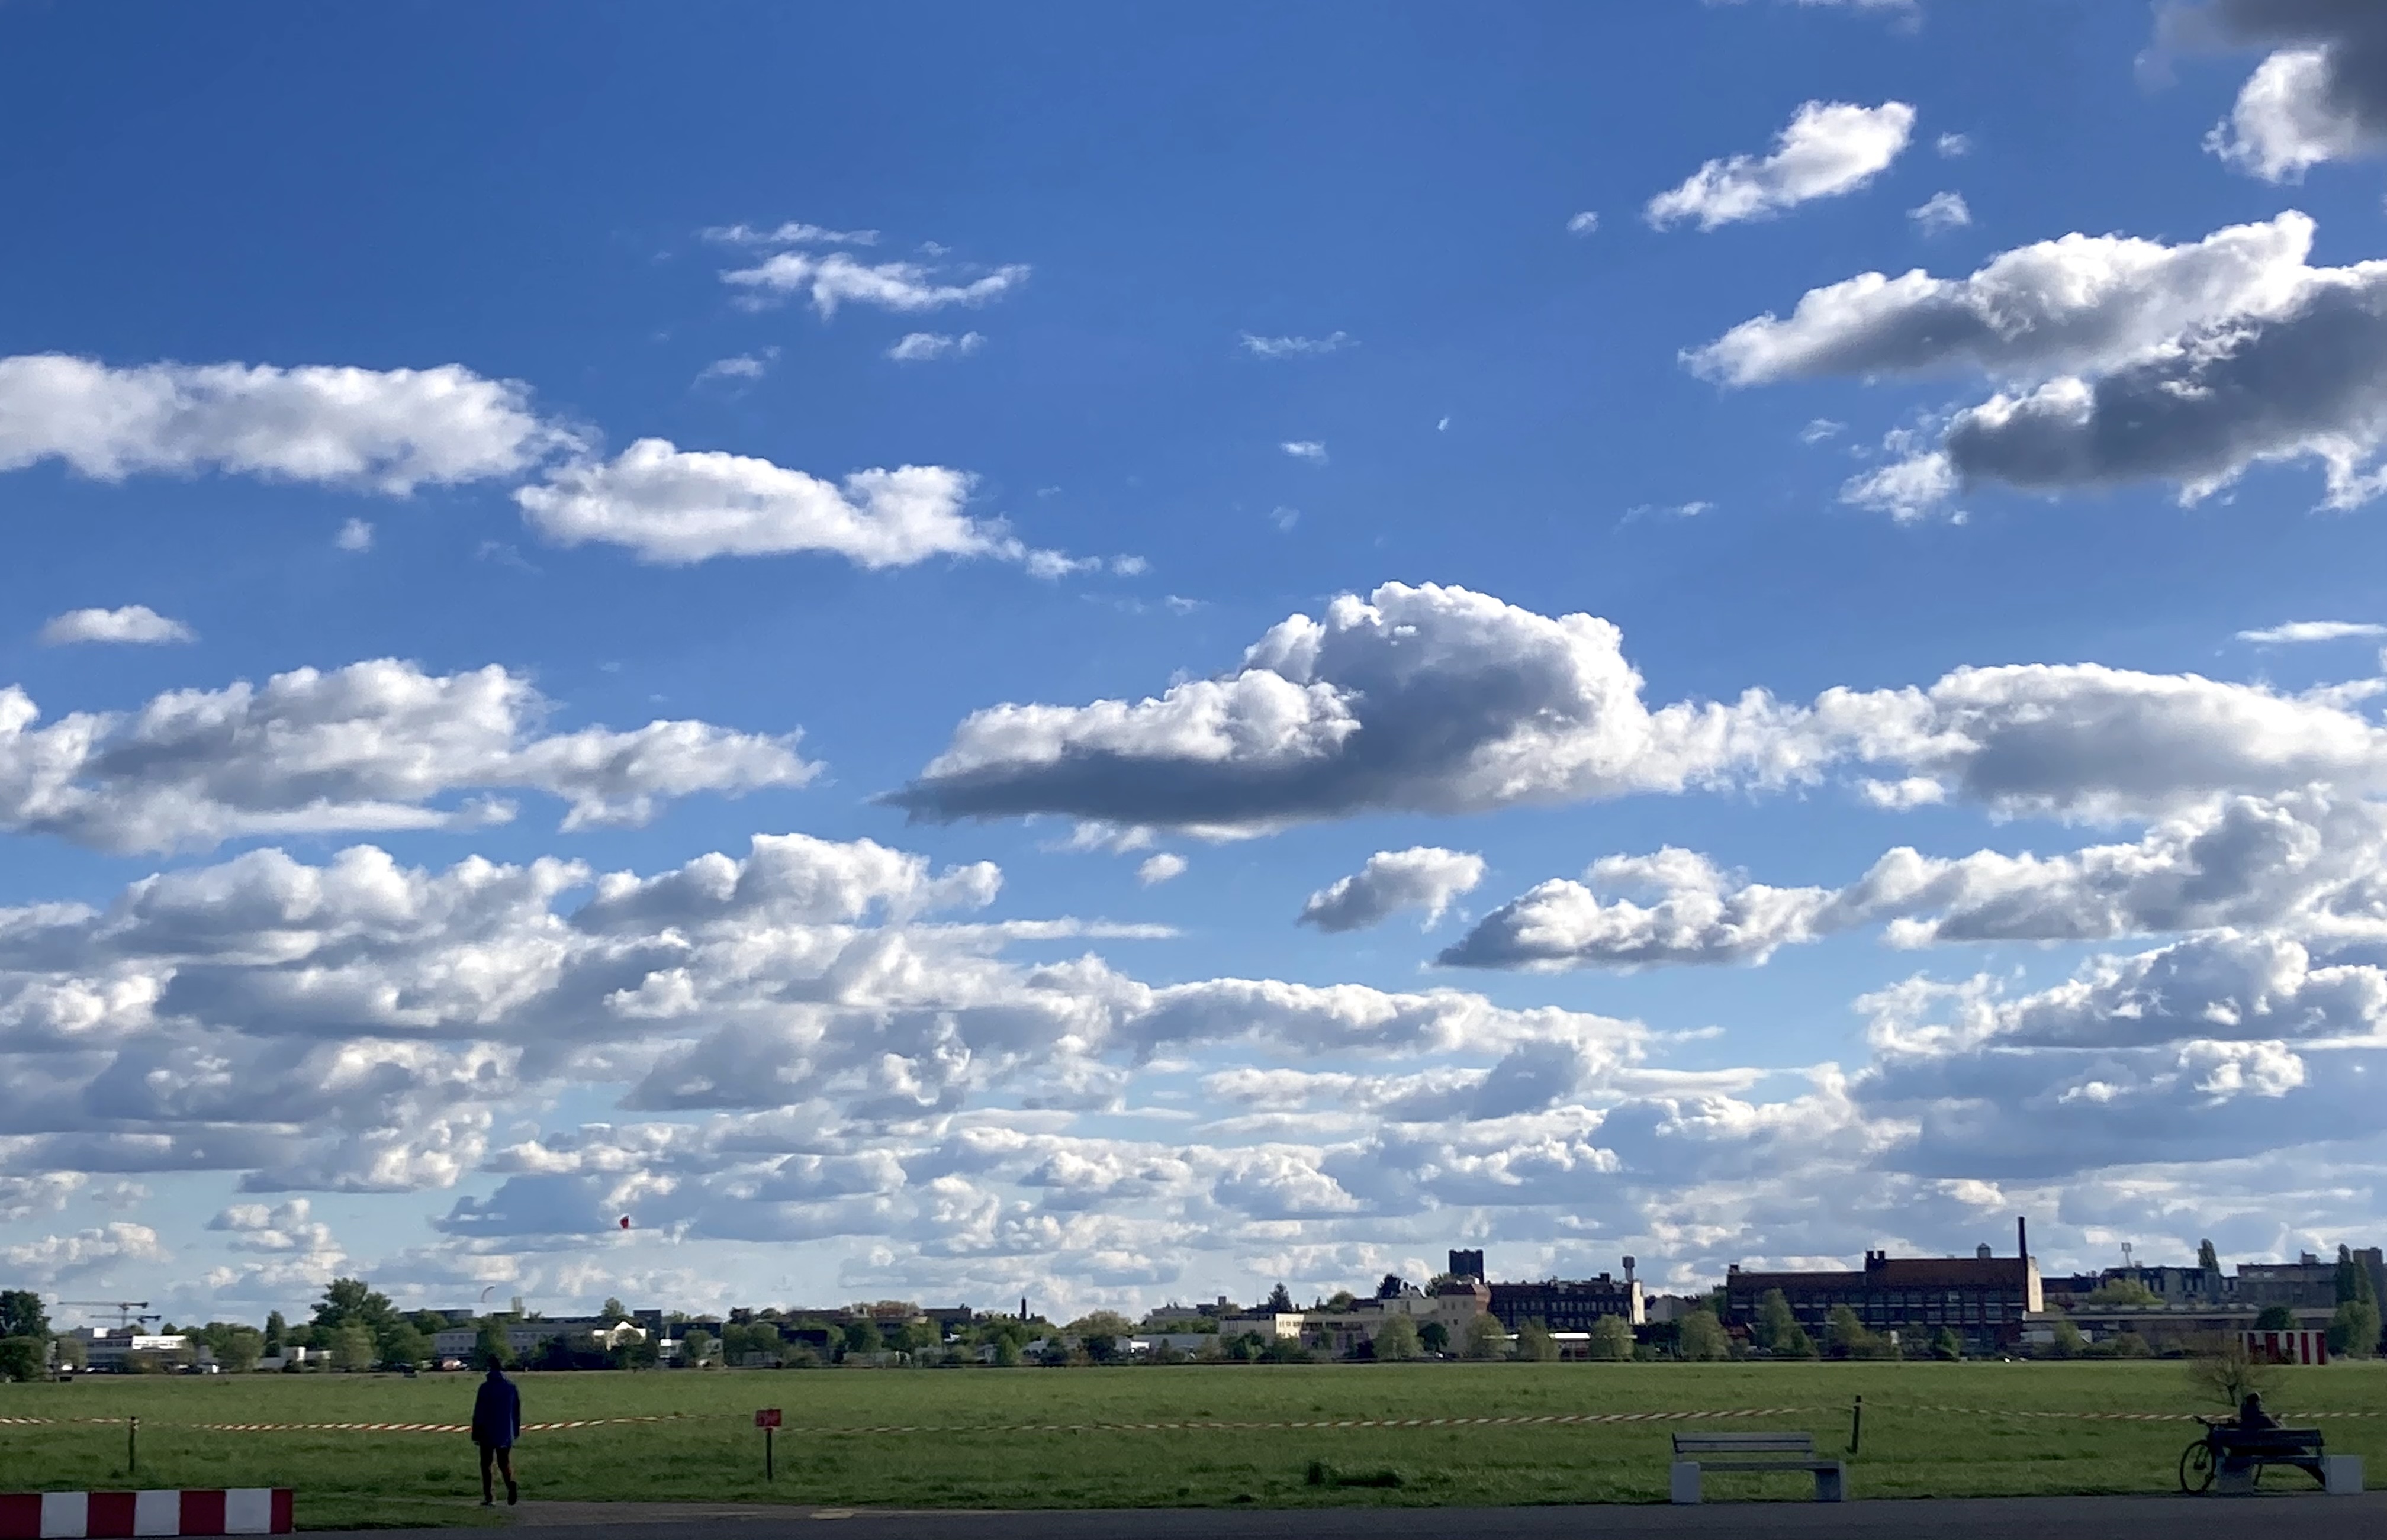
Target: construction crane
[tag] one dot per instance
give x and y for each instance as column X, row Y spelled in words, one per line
column 125, row 1310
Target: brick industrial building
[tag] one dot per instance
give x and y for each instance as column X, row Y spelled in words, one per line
column 1983, row 1298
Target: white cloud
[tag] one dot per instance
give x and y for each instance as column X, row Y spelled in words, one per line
column 1424, row 876
column 744, row 366
column 917, row 347
column 2082, row 301
column 793, row 232
column 672, row 505
column 2196, row 362
column 1442, row 701
column 2304, row 866
column 386, row 431
column 1162, row 867
column 378, row 745
column 1830, row 149
column 1940, row 212
column 837, row 279
column 2313, row 631
column 56, row 1257
column 1953, row 146
column 133, row 623
column 2318, row 96
column 355, row 535
column 1305, row 448
column 1293, row 348
column 1819, row 429
column 1584, row 223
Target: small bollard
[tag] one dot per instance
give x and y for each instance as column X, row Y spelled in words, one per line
column 132, row 1445
column 1856, row 1424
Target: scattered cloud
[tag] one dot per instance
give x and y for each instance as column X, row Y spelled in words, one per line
column 1953, row 146
column 2319, row 95
column 386, row 431
column 53, row 1258
column 355, row 535
column 1294, row 347
column 793, row 232
column 1668, row 510
column 1424, row 876
column 745, row 366
column 674, row 506
column 1305, row 448
column 133, row 623
column 1156, row 869
column 1584, row 223
column 2313, row 631
column 378, row 745
column 917, row 347
column 1436, row 699
column 1940, row 212
column 838, row 280
column 1820, row 429
column 1830, row 149
column 2123, row 361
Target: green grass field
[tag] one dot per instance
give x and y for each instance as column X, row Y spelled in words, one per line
column 965, row 1454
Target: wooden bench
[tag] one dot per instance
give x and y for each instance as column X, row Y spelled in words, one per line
column 1736, row 1452
column 2244, row 1456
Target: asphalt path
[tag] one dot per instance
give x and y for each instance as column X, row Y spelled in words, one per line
column 2271, row 1516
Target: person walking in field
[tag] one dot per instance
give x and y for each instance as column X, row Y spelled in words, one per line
column 496, row 1422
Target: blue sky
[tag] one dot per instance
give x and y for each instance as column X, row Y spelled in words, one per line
column 1218, row 320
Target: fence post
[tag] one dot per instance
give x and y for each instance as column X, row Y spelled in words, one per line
column 132, row 1445
column 1856, row 1424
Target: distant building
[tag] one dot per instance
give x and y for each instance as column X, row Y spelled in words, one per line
column 1982, row 1298
column 1467, row 1264
column 1564, row 1305
column 2308, row 1283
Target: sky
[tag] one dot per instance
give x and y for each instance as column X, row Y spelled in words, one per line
column 758, row 655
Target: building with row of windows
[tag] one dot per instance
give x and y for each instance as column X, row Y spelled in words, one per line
column 1985, row 1299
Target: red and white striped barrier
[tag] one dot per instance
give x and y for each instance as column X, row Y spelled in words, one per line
column 2288, row 1347
column 96, row 1515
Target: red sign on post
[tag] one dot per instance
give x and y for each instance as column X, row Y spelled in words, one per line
column 767, row 1417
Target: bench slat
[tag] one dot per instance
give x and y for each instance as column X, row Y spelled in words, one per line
column 1726, row 1468
column 1727, row 1444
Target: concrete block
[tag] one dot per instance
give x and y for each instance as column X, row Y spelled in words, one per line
column 1832, row 1482
column 2341, row 1474
column 1685, row 1482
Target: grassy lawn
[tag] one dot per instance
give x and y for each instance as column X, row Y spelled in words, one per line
column 970, row 1452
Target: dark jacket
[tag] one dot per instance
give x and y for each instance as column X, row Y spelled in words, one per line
column 497, row 1414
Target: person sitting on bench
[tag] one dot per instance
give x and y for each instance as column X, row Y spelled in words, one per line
column 2252, row 1418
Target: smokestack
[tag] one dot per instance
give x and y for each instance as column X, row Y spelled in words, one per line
column 1628, row 1271
column 2022, row 1236
column 1023, row 1307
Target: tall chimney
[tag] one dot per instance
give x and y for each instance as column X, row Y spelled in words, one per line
column 1023, row 1307
column 1628, row 1270
column 2022, row 1236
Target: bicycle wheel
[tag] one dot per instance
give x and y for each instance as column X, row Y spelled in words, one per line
column 2196, row 1468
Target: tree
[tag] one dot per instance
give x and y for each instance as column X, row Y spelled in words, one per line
column 2225, row 1370
column 401, row 1347
column 1534, row 1343
column 277, row 1329
column 1280, row 1301
column 1946, row 1345
column 2121, row 1291
column 2130, row 1344
column 2352, row 1280
column 862, row 1336
column 1434, row 1337
column 237, row 1348
column 2206, row 1257
column 2068, row 1342
column 1397, row 1340
column 611, row 1312
column 1007, row 1351
column 351, row 1301
column 71, row 1353
column 21, row 1314
column 23, row 1359
column 1486, row 1338
column 352, row 1348
column 1845, row 1334
column 1611, row 1339
column 1391, row 1286
column 2354, row 1331
column 1775, row 1320
column 2276, row 1317
column 491, row 1345
column 695, row 1347
column 1342, row 1301
column 1701, row 1337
